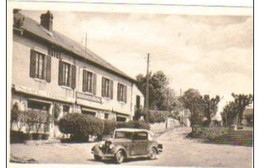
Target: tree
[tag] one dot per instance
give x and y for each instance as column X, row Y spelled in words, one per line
column 241, row 101
column 159, row 93
column 209, row 107
column 192, row 100
column 233, row 112
column 14, row 115
column 229, row 113
column 249, row 119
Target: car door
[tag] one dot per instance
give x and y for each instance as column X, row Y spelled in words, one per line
column 140, row 143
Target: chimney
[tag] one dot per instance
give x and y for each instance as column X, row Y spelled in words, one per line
column 46, row 20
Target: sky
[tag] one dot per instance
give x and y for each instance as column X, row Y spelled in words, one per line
column 213, row 54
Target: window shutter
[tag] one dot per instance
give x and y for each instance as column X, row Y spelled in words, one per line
column 84, row 83
column 94, row 81
column 73, row 76
column 60, row 73
column 118, row 92
column 48, row 68
column 103, row 87
column 125, row 94
column 33, row 64
column 111, row 89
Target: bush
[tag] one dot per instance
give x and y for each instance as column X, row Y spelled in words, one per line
column 80, row 126
column 133, row 124
column 109, row 127
column 157, row 116
column 17, row 137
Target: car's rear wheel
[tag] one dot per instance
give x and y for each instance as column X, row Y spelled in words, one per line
column 119, row 156
column 152, row 154
column 98, row 158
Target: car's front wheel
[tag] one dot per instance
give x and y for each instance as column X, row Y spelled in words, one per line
column 98, row 158
column 119, row 156
column 152, row 154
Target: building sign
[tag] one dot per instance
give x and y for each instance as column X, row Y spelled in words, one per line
column 42, row 93
column 88, row 97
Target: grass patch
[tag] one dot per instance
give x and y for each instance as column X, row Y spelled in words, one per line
column 222, row 135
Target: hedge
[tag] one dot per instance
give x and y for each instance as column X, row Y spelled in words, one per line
column 157, row 116
column 133, row 124
column 109, row 127
column 80, row 124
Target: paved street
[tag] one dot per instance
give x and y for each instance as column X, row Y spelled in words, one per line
column 178, row 151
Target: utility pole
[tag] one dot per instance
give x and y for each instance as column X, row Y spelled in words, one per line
column 147, row 86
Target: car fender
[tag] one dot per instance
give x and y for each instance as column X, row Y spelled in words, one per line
column 154, row 145
column 95, row 148
column 119, row 147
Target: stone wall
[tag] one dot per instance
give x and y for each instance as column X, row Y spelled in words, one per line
column 168, row 124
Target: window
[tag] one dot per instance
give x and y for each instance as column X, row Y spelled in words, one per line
column 67, row 74
column 137, row 102
column 124, row 135
column 106, row 115
column 140, row 136
column 66, row 109
column 40, row 66
column 89, row 113
column 120, row 119
column 121, row 92
column 54, row 51
column 38, row 106
column 107, row 88
column 89, row 82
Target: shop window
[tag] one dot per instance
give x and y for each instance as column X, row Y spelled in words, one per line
column 120, row 119
column 66, row 109
column 90, row 113
column 106, row 115
column 38, row 106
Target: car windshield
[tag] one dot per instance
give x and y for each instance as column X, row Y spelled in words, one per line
column 122, row 134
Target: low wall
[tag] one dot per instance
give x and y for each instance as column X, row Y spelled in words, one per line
column 168, row 124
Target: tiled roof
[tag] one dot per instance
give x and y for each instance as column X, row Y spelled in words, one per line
column 67, row 43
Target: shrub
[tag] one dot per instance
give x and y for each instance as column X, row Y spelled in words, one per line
column 157, row 116
column 133, row 124
column 31, row 117
column 80, row 125
column 109, row 127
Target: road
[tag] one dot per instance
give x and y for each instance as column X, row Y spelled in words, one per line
column 178, row 151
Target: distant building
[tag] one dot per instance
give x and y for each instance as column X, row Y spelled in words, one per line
column 50, row 68
column 185, row 117
column 248, row 115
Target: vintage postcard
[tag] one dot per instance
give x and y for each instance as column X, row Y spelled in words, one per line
column 94, row 84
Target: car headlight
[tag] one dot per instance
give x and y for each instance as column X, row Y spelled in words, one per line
column 111, row 146
column 101, row 144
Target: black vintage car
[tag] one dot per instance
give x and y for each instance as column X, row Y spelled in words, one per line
column 128, row 143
